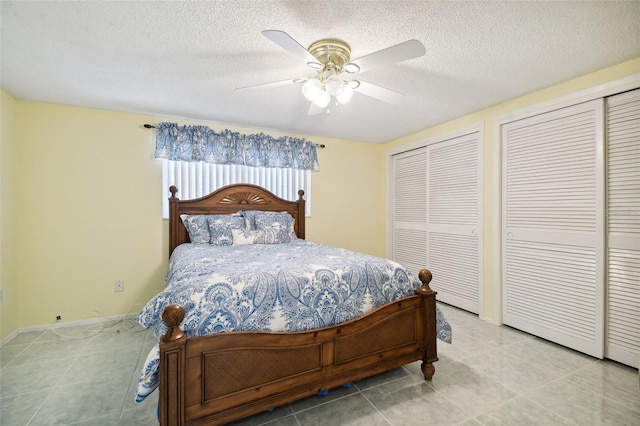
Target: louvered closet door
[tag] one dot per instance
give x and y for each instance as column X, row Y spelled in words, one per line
column 409, row 246
column 453, row 228
column 623, row 219
column 553, row 226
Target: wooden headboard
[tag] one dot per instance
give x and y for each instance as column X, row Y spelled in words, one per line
column 230, row 199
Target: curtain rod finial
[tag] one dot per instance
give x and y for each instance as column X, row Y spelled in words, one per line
column 149, row 126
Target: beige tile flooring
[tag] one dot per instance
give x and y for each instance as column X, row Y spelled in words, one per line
column 489, row 376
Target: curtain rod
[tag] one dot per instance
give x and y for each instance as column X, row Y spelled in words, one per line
column 151, row 126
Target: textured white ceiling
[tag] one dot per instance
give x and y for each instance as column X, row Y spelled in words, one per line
column 184, row 59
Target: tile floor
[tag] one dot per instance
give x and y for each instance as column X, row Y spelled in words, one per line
column 489, row 376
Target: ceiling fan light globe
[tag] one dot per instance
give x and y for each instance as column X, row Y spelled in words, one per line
column 345, row 95
column 334, row 85
column 323, row 99
column 311, row 89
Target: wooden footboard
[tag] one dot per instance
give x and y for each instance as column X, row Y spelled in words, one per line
column 223, row 377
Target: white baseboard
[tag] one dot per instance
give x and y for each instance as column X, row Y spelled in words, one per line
column 490, row 320
column 9, row 338
column 67, row 324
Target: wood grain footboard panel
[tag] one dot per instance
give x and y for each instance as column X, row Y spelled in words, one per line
column 233, row 375
column 230, row 371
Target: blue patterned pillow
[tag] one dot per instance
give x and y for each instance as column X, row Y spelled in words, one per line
column 243, row 237
column 280, row 222
column 250, row 218
column 262, row 236
column 220, row 227
column 197, row 228
column 272, row 235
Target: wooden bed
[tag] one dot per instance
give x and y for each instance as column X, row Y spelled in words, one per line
column 223, row 377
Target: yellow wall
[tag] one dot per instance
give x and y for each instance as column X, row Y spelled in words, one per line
column 76, row 170
column 8, row 306
column 81, row 203
column 348, row 210
column 491, row 201
column 87, row 210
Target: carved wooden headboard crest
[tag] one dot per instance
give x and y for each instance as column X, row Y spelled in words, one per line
column 243, row 198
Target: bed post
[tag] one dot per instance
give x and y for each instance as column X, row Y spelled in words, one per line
column 301, row 214
column 174, row 227
column 429, row 300
column 172, row 368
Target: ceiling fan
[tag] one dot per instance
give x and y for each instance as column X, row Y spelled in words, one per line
column 331, row 59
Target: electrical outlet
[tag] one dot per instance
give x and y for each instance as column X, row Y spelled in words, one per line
column 119, row 286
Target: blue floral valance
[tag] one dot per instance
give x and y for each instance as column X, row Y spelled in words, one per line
column 200, row 143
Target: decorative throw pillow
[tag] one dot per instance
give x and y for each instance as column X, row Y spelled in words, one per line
column 271, row 235
column 250, row 218
column 243, row 237
column 221, row 227
column 282, row 222
column 197, row 228
column 261, row 236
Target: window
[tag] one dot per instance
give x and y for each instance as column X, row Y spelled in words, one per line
column 197, row 179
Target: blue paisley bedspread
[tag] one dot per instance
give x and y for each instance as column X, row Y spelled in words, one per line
column 295, row 286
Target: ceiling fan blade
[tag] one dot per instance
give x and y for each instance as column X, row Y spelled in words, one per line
column 379, row 92
column 289, row 44
column 272, row 84
column 400, row 52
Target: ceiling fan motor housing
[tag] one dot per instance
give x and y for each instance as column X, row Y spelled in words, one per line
column 331, row 52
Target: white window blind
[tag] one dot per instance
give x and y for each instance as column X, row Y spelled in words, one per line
column 197, row 179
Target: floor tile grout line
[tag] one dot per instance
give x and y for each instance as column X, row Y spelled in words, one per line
column 319, row 404
column 133, row 376
column 374, row 407
column 517, row 393
column 10, row 361
column 60, row 379
column 548, row 409
column 563, row 378
column 16, row 357
column 617, row 402
column 591, row 391
column 105, row 417
column 510, row 388
column 75, row 355
column 51, row 390
column 560, row 378
column 484, row 411
column 455, row 404
column 471, row 418
column 359, row 391
column 292, row 414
